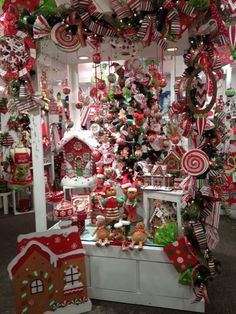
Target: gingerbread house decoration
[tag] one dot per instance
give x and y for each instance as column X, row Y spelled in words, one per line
column 173, row 162
column 157, row 177
column 77, row 147
column 49, row 273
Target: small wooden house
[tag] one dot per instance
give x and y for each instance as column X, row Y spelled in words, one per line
column 49, row 273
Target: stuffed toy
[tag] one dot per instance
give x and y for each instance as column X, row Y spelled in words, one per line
column 111, row 204
column 139, row 236
column 102, row 232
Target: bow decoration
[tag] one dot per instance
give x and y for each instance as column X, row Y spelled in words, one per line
column 41, row 27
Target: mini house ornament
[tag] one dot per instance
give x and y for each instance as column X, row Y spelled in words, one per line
column 49, row 273
column 173, row 162
column 78, row 147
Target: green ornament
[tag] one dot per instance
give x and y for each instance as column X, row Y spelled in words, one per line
column 230, row 92
column 200, row 4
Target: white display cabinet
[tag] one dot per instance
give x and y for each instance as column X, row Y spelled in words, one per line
column 145, row 278
column 137, row 277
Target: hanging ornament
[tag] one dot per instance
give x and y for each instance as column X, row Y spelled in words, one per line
column 111, row 78
column 232, row 35
column 66, row 88
column 96, row 58
column 17, row 55
column 79, row 105
column 101, row 84
column 230, row 92
column 200, row 123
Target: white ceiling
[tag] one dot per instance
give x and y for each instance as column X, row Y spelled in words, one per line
column 47, row 48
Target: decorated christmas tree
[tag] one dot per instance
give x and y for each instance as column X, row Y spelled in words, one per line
column 133, row 123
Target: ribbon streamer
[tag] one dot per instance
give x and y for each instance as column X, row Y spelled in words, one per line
column 200, row 234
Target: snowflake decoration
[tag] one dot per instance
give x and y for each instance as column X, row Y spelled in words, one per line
column 57, row 240
column 78, row 146
column 74, row 246
column 17, row 55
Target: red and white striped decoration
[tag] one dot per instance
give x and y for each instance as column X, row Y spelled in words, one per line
column 232, row 35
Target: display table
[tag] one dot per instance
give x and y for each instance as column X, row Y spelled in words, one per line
column 145, row 278
column 150, row 193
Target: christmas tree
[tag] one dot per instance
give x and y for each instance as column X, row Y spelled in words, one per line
column 133, row 123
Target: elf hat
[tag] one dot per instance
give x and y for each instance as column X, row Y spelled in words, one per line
column 100, row 173
column 125, row 183
column 106, row 187
column 100, row 218
column 133, row 187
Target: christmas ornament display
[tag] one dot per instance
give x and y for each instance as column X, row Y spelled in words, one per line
column 195, row 162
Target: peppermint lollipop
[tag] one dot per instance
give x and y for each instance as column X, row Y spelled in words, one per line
column 65, row 39
column 195, row 162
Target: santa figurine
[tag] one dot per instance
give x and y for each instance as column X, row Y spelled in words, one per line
column 131, row 203
column 112, row 204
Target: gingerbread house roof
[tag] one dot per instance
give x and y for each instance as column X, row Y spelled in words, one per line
column 55, row 245
column 85, row 136
column 172, row 154
column 157, row 170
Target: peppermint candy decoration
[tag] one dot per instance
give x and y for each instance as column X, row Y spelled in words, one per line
column 65, row 39
column 195, row 162
column 17, row 55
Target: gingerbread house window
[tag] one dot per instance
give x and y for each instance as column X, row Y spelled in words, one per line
column 72, row 278
column 36, row 286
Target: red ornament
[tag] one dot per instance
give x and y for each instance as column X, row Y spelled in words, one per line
column 101, row 84
column 96, row 58
column 162, row 82
column 79, row 105
column 96, row 155
column 109, row 116
column 66, row 88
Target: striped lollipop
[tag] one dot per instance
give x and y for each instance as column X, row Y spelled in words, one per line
column 65, row 39
column 195, row 162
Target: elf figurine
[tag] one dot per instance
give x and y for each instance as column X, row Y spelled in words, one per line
column 111, row 204
column 131, row 203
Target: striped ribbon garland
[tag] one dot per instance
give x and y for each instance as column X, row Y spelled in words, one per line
column 144, row 26
column 146, row 5
column 186, row 8
column 201, row 293
column 120, row 8
column 81, row 5
column 134, row 5
column 200, row 234
column 162, row 43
